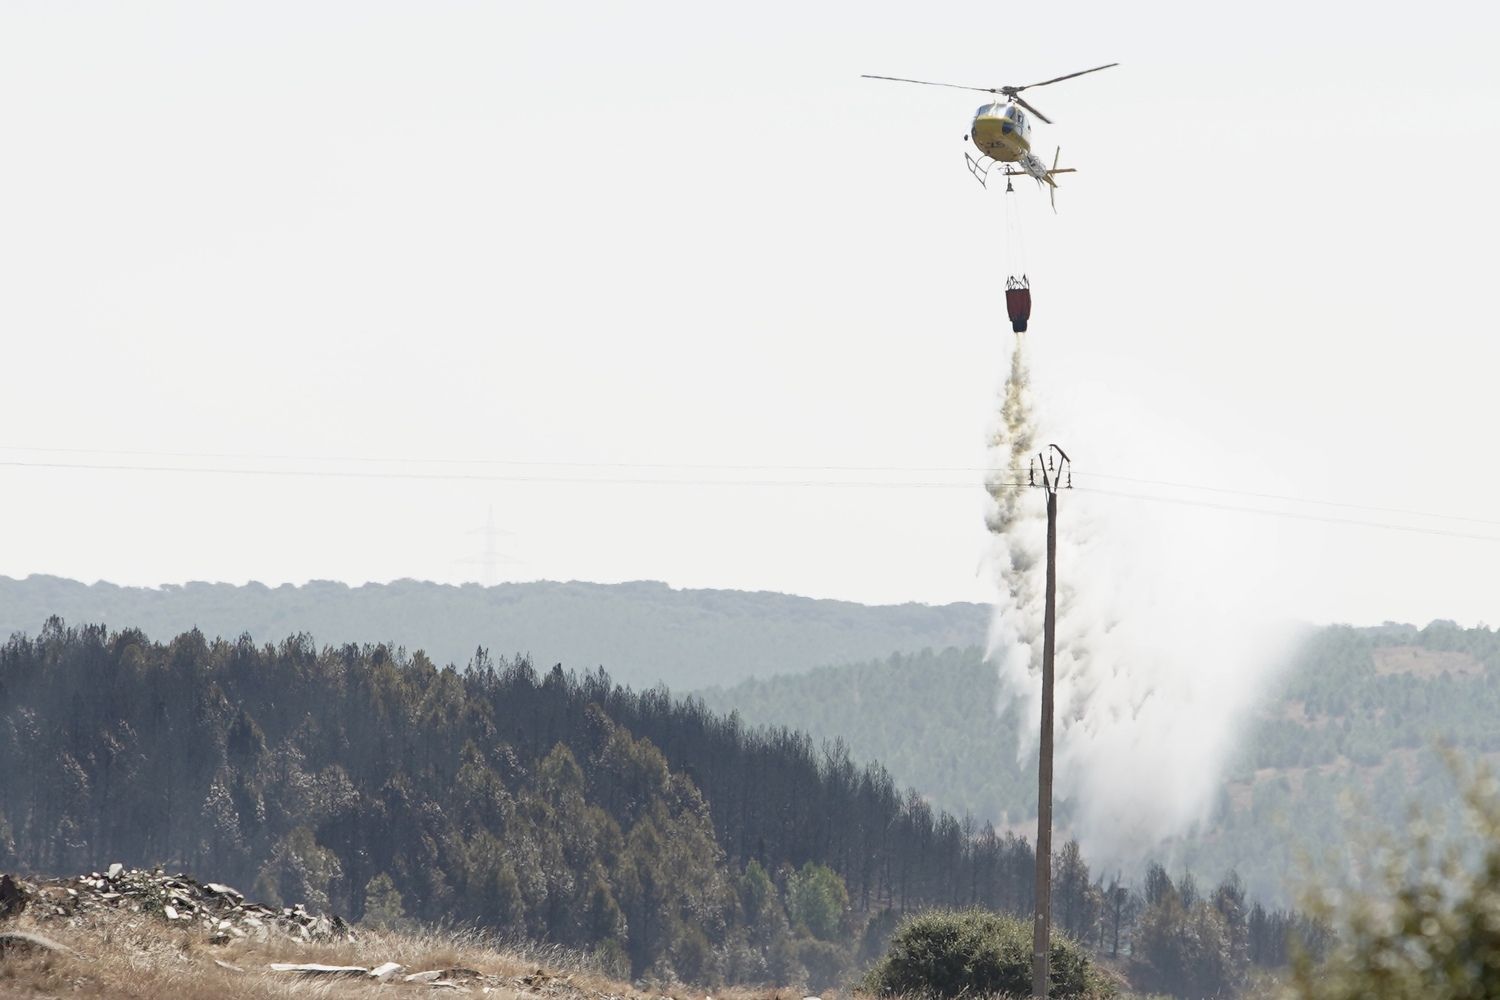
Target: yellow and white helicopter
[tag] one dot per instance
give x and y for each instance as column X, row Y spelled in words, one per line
column 1003, row 134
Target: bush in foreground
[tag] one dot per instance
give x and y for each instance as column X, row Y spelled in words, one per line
column 1427, row 925
column 977, row 953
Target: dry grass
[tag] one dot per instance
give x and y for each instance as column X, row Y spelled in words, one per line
column 134, row 956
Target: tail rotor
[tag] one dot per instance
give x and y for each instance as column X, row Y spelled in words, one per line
column 1052, row 184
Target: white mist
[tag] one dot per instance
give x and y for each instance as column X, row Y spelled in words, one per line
column 1170, row 627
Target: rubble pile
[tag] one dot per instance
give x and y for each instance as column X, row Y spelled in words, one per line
column 222, row 914
column 218, row 909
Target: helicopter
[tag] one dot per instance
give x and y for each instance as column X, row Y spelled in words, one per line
column 1002, row 132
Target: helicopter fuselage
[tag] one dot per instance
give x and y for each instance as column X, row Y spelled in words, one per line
column 1002, row 133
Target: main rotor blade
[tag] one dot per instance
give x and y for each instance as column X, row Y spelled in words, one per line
column 929, row 83
column 1022, row 102
column 1056, row 79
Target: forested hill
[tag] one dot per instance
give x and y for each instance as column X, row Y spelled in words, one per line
column 644, row 632
column 556, row 806
column 668, row 840
column 936, row 720
column 1355, row 720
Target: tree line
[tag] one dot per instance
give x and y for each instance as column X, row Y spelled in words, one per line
column 667, row 839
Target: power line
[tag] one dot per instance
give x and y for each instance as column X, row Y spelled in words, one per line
column 1296, row 515
column 684, row 467
column 1287, row 499
column 416, row 460
column 355, row 474
column 478, row 477
column 644, row 466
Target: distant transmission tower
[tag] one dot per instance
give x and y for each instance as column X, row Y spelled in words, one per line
column 1055, row 473
column 490, row 557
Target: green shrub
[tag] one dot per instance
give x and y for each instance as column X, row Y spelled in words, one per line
column 977, row 953
column 1426, row 925
column 816, row 899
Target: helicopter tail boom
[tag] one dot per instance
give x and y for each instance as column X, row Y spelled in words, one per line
column 1033, row 166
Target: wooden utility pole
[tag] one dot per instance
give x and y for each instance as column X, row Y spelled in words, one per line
column 1053, row 470
column 1119, row 895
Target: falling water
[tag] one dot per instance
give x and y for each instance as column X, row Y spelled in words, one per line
column 1163, row 646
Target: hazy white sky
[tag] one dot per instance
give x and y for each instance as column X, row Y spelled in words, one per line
column 401, row 239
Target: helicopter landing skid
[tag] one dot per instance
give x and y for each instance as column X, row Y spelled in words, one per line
column 980, row 168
